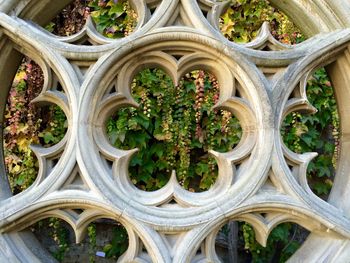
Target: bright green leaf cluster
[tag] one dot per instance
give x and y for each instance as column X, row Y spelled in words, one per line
column 119, row 244
column 281, row 243
column 26, row 124
column 301, row 133
column 114, row 19
column 174, row 128
column 316, row 133
column 242, row 20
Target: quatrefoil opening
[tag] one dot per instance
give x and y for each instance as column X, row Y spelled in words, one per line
column 174, row 129
column 182, row 69
column 265, row 33
column 262, row 101
column 96, row 22
column 312, row 135
column 34, row 124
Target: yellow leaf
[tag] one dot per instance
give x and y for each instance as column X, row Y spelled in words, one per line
column 23, row 127
column 15, row 169
column 23, row 144
column 20, row 76
column 8, row 115
column 95, row 14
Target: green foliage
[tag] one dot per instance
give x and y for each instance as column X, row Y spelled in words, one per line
column 243, row 19
column 92, row 241
column 50, row 27
column 19, row 159
column 119, row 244
column 54, row 235
column 55, row 128
column 26, row 124
column 317, row 132
column 60, row 235
column 174, row 128
column 280, row 244
column 114, row 19
column 301, row 133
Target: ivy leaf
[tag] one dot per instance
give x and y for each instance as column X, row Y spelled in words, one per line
column 50, row 27
column 20, row 180
column 149, row 167
column 280, row 233
column 117, row 10
column 107, row 248
column 202, row 168
column 113, row 135
column 329, row 147
column 23, row 143
column 121, row 136
column 143, row 121
column 132, row 124
column 141, row 139
column 321, row 188
column 48, row 137
column 323, row 171
column 196, row 144
column 307, row 139
column 144, row 177
column 158, row 149
column 161, row 164
column 15, row 169
column 190, row 86
column 95, row 14
column 136, row 160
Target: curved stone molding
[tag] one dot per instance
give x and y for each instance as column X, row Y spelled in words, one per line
column 260, row 181
column 176, row 69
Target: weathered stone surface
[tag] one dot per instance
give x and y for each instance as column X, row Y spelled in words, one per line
column 263, row 191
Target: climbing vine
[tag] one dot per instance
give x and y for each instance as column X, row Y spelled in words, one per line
column 27, row 124
column 301, row 133
column 283, row 241
column 119, row 243
column 316, row 133
column 114, row 19
column 174, row 126
column 243, row 18
column 92, row 241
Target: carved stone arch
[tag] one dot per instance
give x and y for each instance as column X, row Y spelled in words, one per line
column 263, row 184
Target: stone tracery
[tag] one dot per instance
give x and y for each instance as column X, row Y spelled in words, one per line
column 263, row 184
